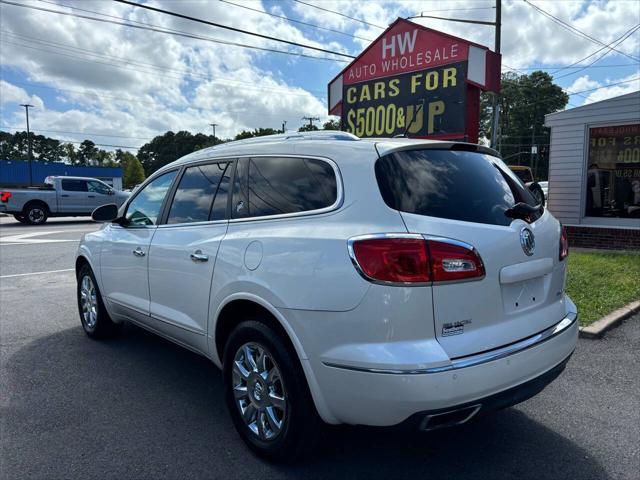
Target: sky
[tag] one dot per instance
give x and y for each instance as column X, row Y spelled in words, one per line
column 121, row 86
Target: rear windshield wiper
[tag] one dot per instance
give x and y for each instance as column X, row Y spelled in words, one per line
column 523, row 211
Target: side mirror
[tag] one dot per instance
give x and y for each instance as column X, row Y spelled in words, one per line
column 105, row 213
column 111, row 192
column 536, row 191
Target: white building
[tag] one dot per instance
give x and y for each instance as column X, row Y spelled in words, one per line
column 594, row 172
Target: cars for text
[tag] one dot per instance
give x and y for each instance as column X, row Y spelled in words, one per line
column 340, row 280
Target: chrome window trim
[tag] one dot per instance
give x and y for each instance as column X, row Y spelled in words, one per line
column 339, row 189
column 480, row 358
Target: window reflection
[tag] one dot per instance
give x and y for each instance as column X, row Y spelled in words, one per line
column 144, row 209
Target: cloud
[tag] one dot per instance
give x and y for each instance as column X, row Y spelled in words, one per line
column 632, row 85
column 10, row 94
column 124, row 82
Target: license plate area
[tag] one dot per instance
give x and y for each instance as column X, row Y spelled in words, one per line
column 520, row 296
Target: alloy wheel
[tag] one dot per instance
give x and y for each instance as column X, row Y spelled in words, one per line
column 89, row 302
column 259, row 391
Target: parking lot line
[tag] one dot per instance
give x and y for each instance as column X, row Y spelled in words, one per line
column 36, row 273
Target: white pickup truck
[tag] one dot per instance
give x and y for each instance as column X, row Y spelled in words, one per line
column 60, row 197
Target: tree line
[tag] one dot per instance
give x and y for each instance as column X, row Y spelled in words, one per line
column 525, row 100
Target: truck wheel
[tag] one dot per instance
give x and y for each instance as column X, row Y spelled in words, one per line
column 36, row 214
column 95, row 320
column 21, row 218
column 267, row 393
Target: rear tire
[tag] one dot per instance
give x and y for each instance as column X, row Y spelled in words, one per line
column 19, row 217
column 36, row 213
column 267, row 393
column 94, row 318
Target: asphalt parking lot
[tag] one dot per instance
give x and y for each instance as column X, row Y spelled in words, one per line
column 139, row 407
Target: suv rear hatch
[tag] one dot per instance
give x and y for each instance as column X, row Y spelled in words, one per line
column 463, row 195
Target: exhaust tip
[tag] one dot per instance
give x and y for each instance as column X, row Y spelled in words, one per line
column 450, row 418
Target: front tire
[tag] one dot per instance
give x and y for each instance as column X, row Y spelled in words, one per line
column 36, row 214
column 93, row 315
column 267, row 394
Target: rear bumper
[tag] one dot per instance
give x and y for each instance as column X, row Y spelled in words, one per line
column 492, row 379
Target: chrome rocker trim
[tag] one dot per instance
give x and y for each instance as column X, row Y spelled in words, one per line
column 480, row 358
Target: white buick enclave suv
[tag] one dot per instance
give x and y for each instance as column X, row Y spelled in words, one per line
column 332, row 278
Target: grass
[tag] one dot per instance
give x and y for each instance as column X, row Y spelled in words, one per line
column 600, row 283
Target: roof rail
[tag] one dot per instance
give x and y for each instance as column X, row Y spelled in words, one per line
column 315, row 135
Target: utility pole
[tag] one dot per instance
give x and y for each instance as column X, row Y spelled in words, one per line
column 495, row 112
column 26, row 109
column 214, row 125
column 311, row 120
column 284, row 125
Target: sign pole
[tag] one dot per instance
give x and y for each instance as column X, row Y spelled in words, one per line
column 495, row 117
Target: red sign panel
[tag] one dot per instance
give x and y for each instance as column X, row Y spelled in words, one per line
column 405, row 48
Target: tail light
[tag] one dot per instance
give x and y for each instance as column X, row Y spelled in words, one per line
column 5, row 196
column 564, row 244
column 412, row 259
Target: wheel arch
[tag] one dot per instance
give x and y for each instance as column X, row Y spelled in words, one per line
column 234, row 309
column 36, row 201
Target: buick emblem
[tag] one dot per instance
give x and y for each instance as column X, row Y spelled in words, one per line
column 527, row 241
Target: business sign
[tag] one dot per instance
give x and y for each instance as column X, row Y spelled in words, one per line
column 416, row 80
column 422, row 103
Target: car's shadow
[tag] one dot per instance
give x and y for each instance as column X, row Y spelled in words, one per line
column 140, row 407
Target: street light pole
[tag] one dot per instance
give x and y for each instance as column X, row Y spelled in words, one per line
column 26, row 109
column 495, row 112
column 214, row 125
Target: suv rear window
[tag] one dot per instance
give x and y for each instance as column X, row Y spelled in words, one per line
column 458, row 185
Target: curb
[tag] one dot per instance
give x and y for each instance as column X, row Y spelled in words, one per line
column 615, row 318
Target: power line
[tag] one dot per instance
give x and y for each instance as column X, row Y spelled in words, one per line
column 341, row 14
column 575, row 30
column 296, row 21
column 577, row 66
column 601, row 56
column 233, row 29
column 157, row 29
column 68, row 48
column 79, row 133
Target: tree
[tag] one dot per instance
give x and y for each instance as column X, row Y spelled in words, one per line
column 133, row 173
column 331, row 125
column 257, row 132
column 87, row 153
column 524, row 101
column 309, row 127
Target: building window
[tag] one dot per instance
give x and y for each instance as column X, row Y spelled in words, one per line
column 613, row 172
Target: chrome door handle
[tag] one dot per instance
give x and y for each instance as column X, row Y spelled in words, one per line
column 64, row 195
column 138, row 252
column 198, row 256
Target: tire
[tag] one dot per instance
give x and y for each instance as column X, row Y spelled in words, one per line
column 19, row 217
column 277, row 430
column 36, row 213
column 93, row 315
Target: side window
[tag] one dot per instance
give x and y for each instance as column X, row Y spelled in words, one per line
column 195, row 195
column 289, row 185
column 145, row 208
column 219, row 208
column 98, row 187
column 74, row 185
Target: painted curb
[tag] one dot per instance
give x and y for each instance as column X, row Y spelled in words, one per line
column 615, row 318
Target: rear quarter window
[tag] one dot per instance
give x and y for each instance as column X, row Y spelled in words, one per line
column 457, row 185
column 266, row 186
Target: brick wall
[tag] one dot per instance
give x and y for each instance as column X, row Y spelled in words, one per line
column 604, row 238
